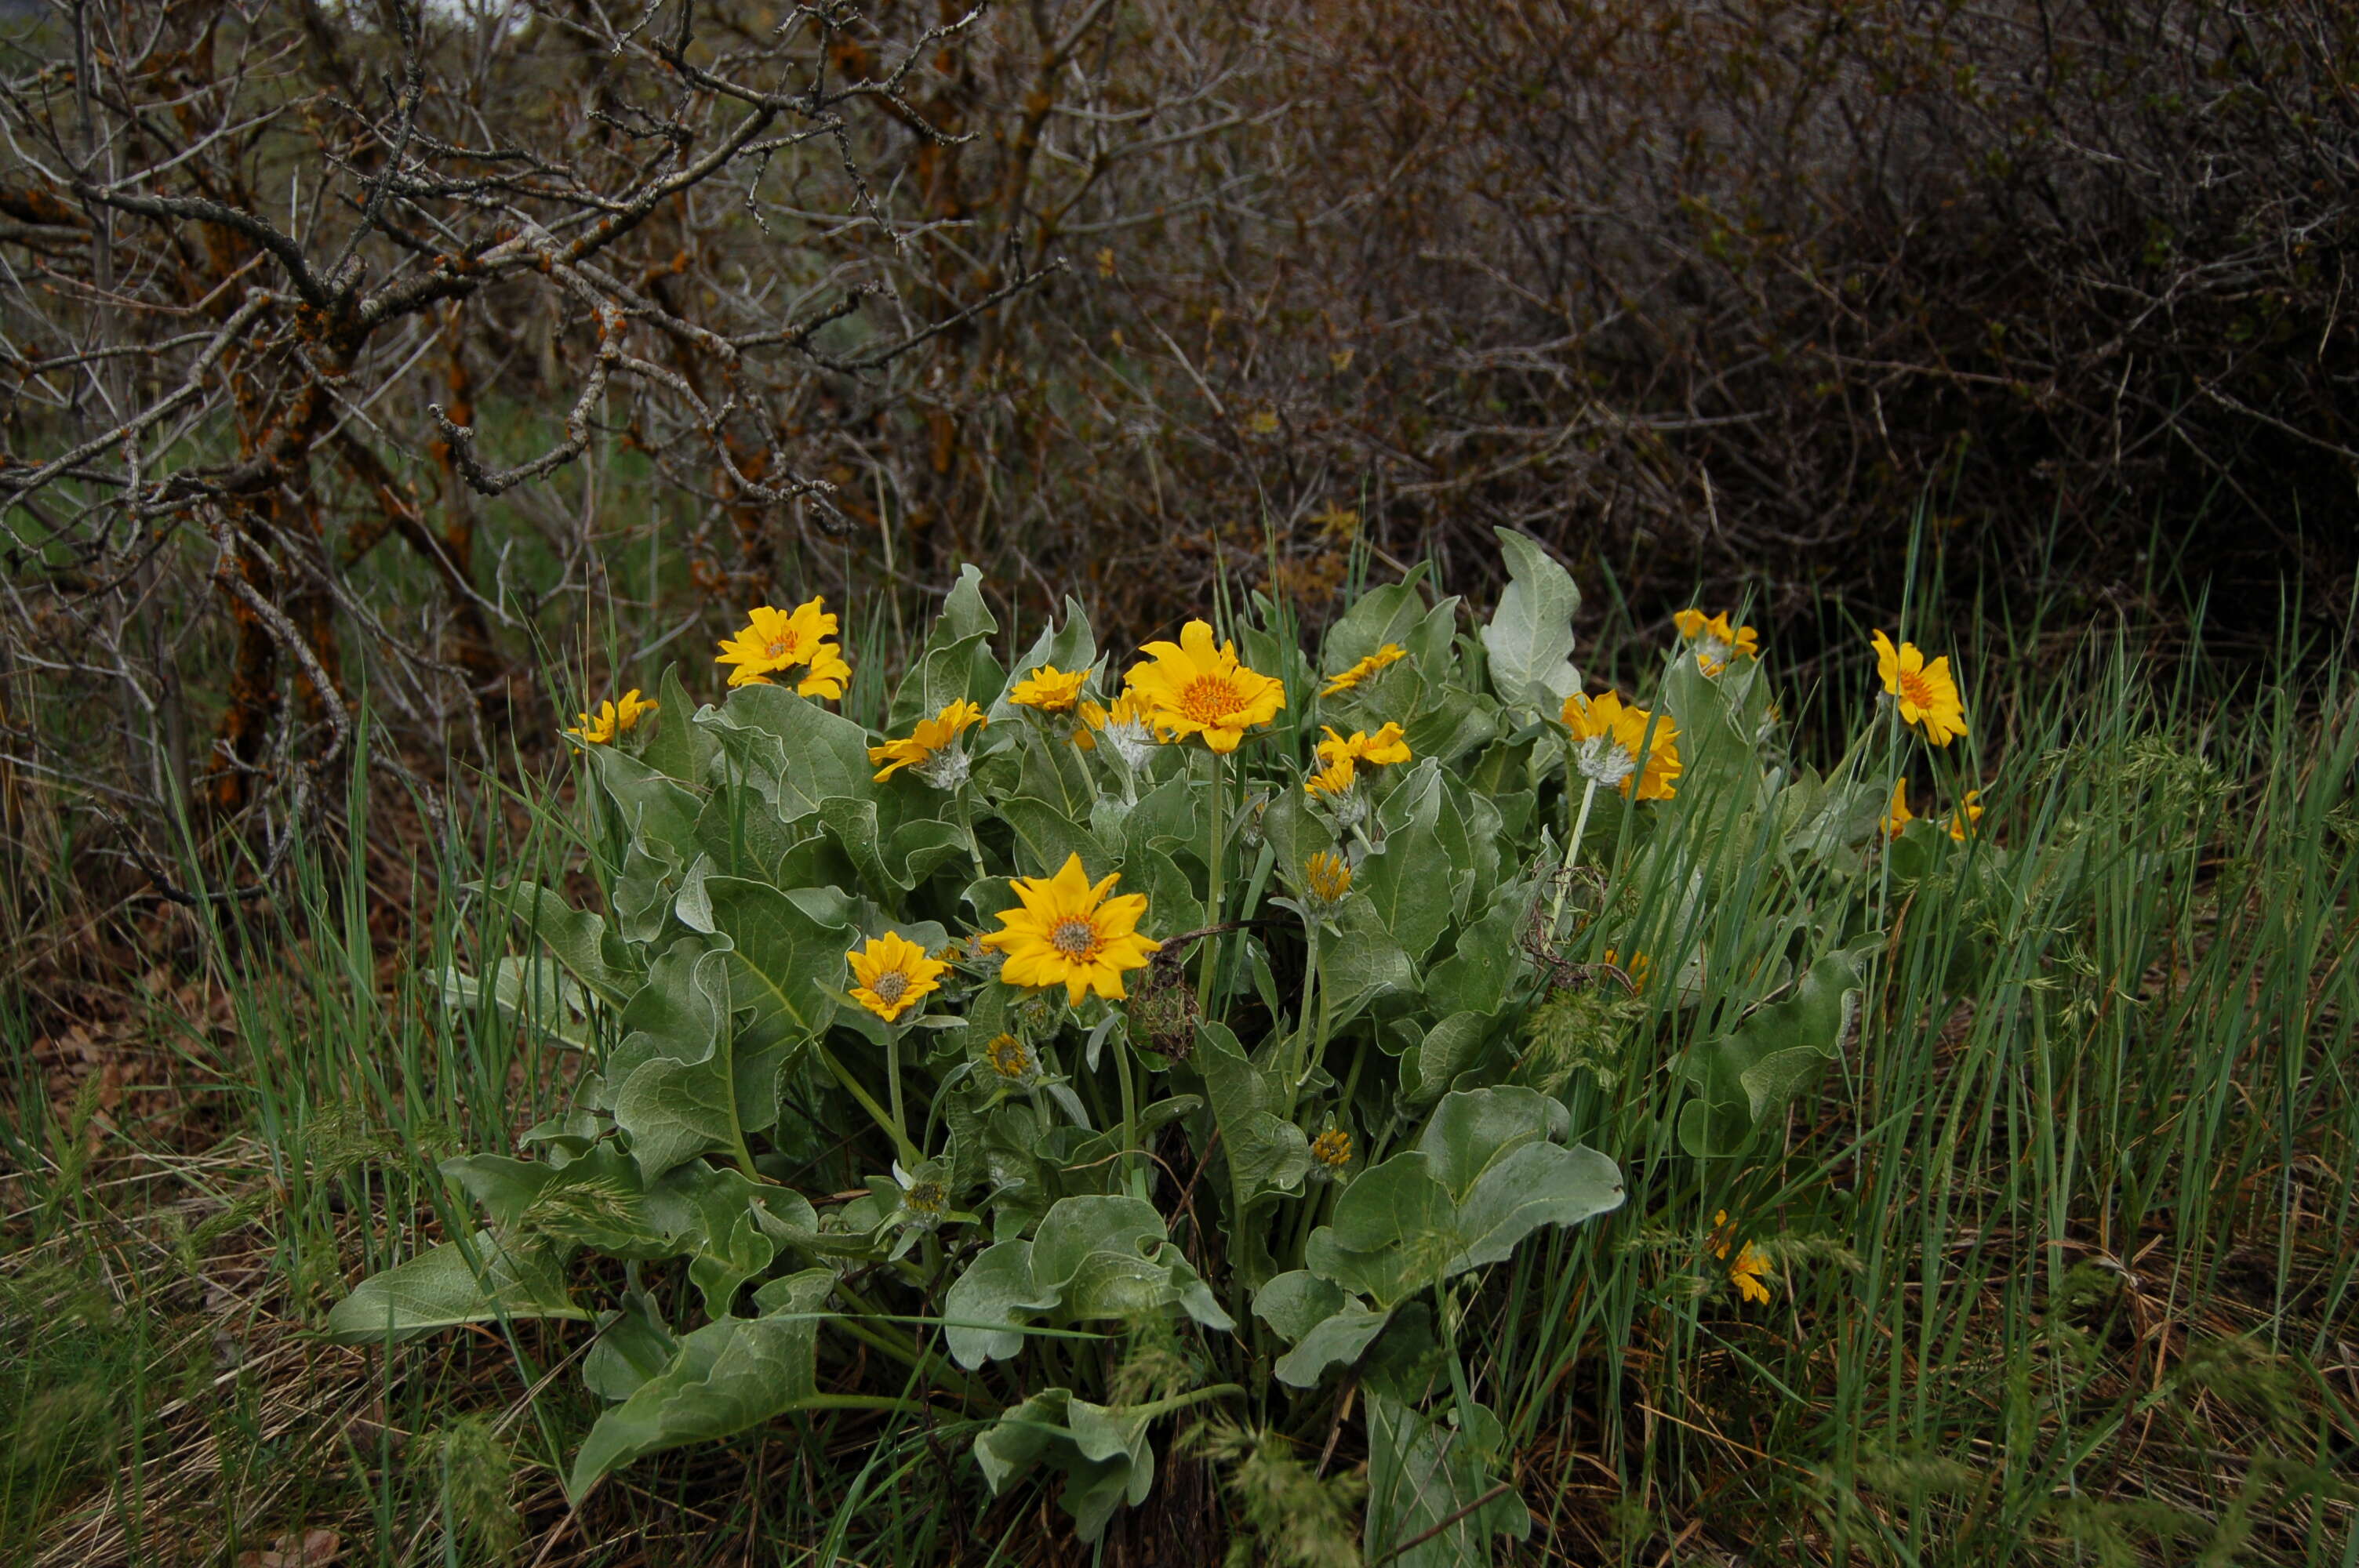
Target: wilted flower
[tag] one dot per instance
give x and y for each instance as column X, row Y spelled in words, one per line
column 1607, row 736
column 924, row 1199
column 1069, row 932
column 773, row 641
column 1636, row 968
column 894, row 973
column 931, row 750
column 1928, row 696
column 613, row 719
column 1193, row 687
column 1716, row 642
column 1330, row 1152
column 1389, row 653
column 1012, row 1059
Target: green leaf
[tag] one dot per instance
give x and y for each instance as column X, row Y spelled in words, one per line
column 789, row 749
column 1094, row 1257
column 575, row 936
column 783, row 963
column 1045, row 836
column 1365, row 965
column 726, row 1376
column 633, row 1345
column 679, row 749
column 655, row 812
column 1102, row 1452
column 1744, row 1075
column 1421, row 1472
column 1408, row 882
column 675, row 1090
column 1488, row 958
column 441, row 1289
column 947, row 667
column 1389, row 613
column 1529, row 639
column 1485, row 1174
column 1265, row 1152
column 1450, row 1048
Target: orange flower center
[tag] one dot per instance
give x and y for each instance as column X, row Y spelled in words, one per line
column 1208, row 700
column 1009, row 1059
column 1332, row 1147
column 1075, row 938
column 1916, row 690
column 781, row 646
column 890, row 986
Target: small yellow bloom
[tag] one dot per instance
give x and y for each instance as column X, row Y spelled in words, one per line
column 613, row 718
column 1191, row 687
column 1067, row 932
column 1391, row 653
column 928, row 749
column 1049, row 689
column 1328, row 877
column 773, row 641
column 1966, row 822
column 1333, row 1149
column 1333, row 780
column 1607, row 737
column 1929, row 696
column 826, row 677
column 1751, row 1267
column 1719, row 642
column 894, row 974
column 1264, row 423
column 1636, row 968
column 1380, row 749
column 1899, row 815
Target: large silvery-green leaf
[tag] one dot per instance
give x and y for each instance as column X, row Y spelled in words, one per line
column 1390, row 612
column 576, row 937
column 1754, row 1069
column 679, row 749
column 1102, row 1452
column 1410, row 881
column 655, row 811
column 1093, row 1258
column 789, row 749
column 1529, row 639
column 1265, row 1152
column 1486, row 1173
column 955, row 666
column 445, row 1287
column 1426, row 1470
column 724, row 1378
column 1364, row 966
column 784, row 960
column 671, row 1079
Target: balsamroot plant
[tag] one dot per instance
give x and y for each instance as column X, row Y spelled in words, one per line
column 1227, row 1012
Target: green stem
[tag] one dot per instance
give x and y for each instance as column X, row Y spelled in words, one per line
column 901, row 1144
column 1182, row 1401
column 1300, row 1068
column 1571, row 852
column 1134, row 1168
column 1212, row 887
column 892, row 1086
column 966, row 823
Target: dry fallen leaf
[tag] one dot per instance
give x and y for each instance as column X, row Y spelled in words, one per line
column 312, row 1549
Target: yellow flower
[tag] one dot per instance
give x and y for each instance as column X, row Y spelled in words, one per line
column 1049, row 689
column 826, row 676
column 894, row 974
column 1636, row 968
column 1335, row 779
column 931, row 750
column 613, row 719
column 1389, row 653
column 1069, row 932
column 1191, row 687
column 1899, row 815
column 773, row 641
column 1720, row 642
column 1751, row 1267
column 1929, row 698
column 1963, row 823
column 1380, row 749
column 1328, row 877
column 1126, row 728
column 1607, row 736
column 1332, row 1148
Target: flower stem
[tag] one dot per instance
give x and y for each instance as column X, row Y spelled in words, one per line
column 1572, row 853
column 1133, row 1169
column 1212, row 887
column 877, row 1113
column 893, row 1085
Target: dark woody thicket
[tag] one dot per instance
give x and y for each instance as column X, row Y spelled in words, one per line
column 378, row 348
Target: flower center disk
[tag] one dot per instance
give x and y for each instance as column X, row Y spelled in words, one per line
column 1208, row 699
column 891, row 986
column 1916, row 690
column 1074, row 938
